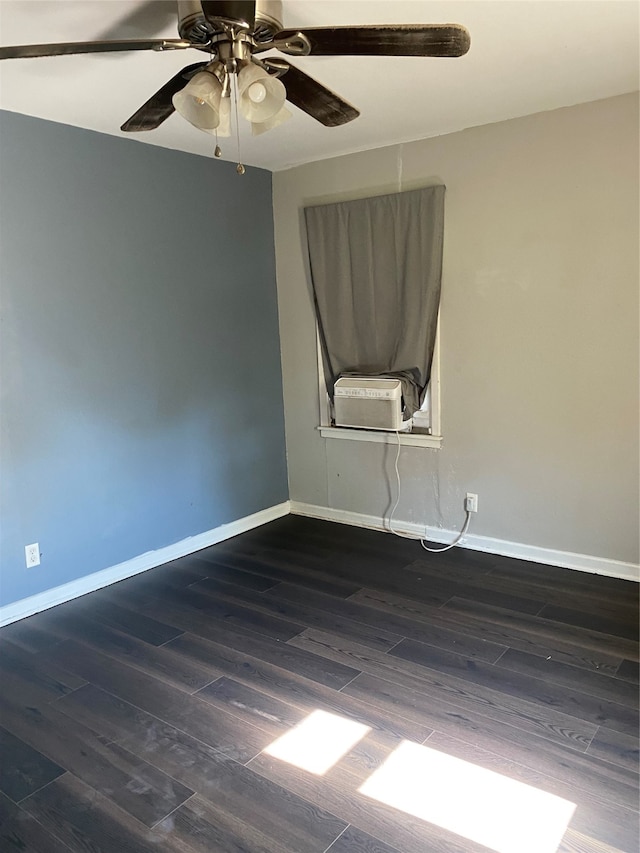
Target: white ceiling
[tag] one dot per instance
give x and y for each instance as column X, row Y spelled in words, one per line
column 526, row 56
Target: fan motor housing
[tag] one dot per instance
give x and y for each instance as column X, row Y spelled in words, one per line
column 193, row 26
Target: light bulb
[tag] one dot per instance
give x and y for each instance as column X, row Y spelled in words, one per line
column 257, row 92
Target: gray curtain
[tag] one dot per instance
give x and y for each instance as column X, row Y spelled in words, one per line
column 376, row 265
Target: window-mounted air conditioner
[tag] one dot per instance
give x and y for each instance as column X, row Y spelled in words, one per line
column 368, row 402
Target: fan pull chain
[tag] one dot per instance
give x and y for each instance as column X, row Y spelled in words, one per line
column 240, row 169
column 217, row 151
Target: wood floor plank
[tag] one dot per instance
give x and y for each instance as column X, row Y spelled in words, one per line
column 161, row 579
column 113, row 717
column 213, row 772
column 218, row 570
column 604, row 779
column 186, row 712
column 201, row 828
column 591, row 601
column 493, row 594
column 196, row 620
column 594, row 683
column 303, row 538
column 158, row 662
column 402, row 626
column 448, row 567
column 136, row 625
column 119, row 720
column 299, row 691
column 453, row 694
column 262, row 648
column 251, row 705
column 23, row 769
column 378, row 571
column 302, row 615
column 227, row 613
column 619, row 604
column 86, row 821
column 615, row 627
column 616, row 748
column 50, row 680
column 283, row 569
column 339, row 539
column 233, row 790
column 26, row 692
column 548, row 629
column 132, row 726
column 582, row 706
column 355, row 840
column 567, row 580
column 291, row 541
column 577, row 842
column 629, row 670
column 177, row 573
column 19, row 832
column 309, row 560
column 406, row 833
column 26, row 635
column 136, row 786
column 486, row 629
column 616, row 824
column 379, row 574
column 362, row 546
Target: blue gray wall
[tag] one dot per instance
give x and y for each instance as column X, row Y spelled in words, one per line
column 141, row 398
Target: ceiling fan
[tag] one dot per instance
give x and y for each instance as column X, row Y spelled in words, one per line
column 235, row 34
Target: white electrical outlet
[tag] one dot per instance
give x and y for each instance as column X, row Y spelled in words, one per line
column 471, row 502
column 32, row 555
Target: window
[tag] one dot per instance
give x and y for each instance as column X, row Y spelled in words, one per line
column 376, row 267
column 427, row 426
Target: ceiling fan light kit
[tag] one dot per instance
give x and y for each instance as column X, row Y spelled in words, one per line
column 201, row 102
column 234, row 33
column 260, row 96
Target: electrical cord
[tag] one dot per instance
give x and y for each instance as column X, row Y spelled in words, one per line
column 465, row 526
column 395, row 506
column 453, row 544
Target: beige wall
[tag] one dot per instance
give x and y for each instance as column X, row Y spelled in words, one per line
column 539, row 332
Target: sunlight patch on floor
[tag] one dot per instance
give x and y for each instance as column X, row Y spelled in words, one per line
column 484, row 806
column 318, row 742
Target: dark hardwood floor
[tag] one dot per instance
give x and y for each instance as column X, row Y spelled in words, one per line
column 138, row 718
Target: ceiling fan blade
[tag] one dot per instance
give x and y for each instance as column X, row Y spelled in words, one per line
column 147, row 17
column 315, row 99
column 159, row 106
column 230, row 11
column 26, row 51
column 385, row 40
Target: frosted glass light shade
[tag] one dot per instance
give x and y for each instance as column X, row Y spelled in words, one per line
column 260, row 95
column 224, row 128
column 258, row 127
column 200, row 102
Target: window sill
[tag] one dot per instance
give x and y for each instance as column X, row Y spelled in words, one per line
column 407, row 439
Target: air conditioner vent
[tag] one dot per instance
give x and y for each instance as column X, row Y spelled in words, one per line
column 367, row 402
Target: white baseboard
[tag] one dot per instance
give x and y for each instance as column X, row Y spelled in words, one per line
column 59, row 594
column 566, row 559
